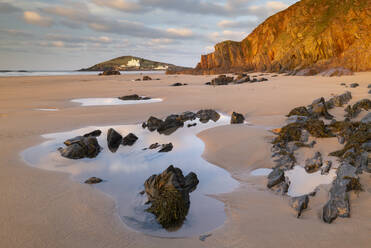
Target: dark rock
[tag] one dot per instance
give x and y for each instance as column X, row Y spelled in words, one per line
column 154, row 146
column 299, row 204
column 296, row 119
column 166, row 147
column 168, row 194
column 153, row 123
column 353, row 111
column 81, row 147
column 95, row 133
column 109, row 73
column 129, row 139
column 369, row 86
column 147, row 78
column 187, row 116
column 208, row 114
column 134, row 97
column 318, row 109
column 178, row 84
column 221, row 80
column 192, row 125
column 313, row 164
column 114, row 140
column 275, row 177
column 237, row 118
column 93, row 180
column 208, row 83
column 369, row 92
column 353, row 85
column 171, row 124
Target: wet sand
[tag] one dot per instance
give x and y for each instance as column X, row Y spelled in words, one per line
column 41, row 208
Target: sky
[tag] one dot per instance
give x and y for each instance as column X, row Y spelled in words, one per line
column 75, row 34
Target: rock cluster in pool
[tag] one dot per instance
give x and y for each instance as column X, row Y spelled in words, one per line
column 168, row 192
column 354, row 157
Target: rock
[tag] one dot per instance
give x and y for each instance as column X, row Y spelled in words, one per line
column 275, row 177
column 95, row 133
column 318, row 109
column 369, row 86
column 171, row 124
column 187, row 116
column 353, row 85
column 221, row 80
column 338, row 204
column 307, row 72
column 178, row 84
column 114, row 140
column 366, row 119
column 339, row 100
column 166, row 147
column 207, row 114
column 93, row 180
column 325, row 170
column 299, row 111
column 299, row 204
column 243, row 79
column 134, row 97
column 154, row 146
column 343, row 84
column 208, row 83
column 296, row 119
column 147, row 78
column 109, row 73
column 237, row 118
column 192, row 125
column 338, row 71
column 168, row 194
column 369, row 92
column 129, row 139
column 153, row 123
column 313, row 164
column 353, row 111
column 81, row 147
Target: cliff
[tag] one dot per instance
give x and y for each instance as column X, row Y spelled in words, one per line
column 130, row 63
column 319, row 34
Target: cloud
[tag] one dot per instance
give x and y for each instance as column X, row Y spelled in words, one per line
column 237, row 24
column 182, row 32
column 7, row 8
column 17, row 33
column 226, row 35
column 58, row 43
column 201, row 7
column 34, row 18
column 121, row 5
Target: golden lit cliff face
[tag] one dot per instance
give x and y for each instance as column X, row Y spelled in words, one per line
column 310, row 33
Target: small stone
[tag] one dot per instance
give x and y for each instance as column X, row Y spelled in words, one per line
column 93, row 180
column 166, row 147
column 237, row 118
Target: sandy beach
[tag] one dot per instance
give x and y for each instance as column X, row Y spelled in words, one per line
column 41, row 208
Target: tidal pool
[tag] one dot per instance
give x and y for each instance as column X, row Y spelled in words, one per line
column 125, row 171
column 47, row 109
column 301, row 182
column 85, row 102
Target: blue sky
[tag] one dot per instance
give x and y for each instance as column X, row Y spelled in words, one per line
column 72, row 34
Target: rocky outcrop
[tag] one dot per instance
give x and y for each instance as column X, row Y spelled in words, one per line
column 168, row 194
column 311, row 34
column 81, row 147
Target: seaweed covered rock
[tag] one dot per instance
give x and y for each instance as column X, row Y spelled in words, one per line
column 81, row 147
column 299, row 204
column 237, row 118
column 339, row 100
column 353, row 111
column 300, row 111
column 114, row 140
column 208, row 114
column 319, row 109
column 168, row 194
column 313, row 164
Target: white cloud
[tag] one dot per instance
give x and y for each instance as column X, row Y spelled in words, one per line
column 58, row 43
column 183, row 32
column 121, row 5
column 35, row 18
column 226, row 35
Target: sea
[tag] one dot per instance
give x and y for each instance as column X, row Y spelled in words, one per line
column 21, row 73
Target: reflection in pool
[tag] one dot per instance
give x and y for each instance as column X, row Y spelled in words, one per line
column 126, row 170
column 111, row 101
column 301, row 182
